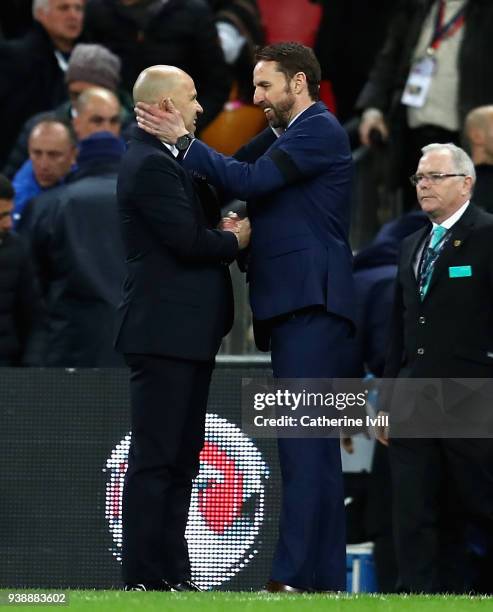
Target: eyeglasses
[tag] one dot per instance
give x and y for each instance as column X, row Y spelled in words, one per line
column 433, row 177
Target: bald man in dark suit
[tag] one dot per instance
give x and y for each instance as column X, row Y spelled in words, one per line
column 177, row 305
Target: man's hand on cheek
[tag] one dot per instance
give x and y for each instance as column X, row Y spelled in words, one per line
column 165, row 123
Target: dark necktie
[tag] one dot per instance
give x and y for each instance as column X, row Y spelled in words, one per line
column 429, row 258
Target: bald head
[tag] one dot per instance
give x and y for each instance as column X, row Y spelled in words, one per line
column 98, row 110
column 479, row 133
column 157, row 83
column 95, row 96
column 479, row 116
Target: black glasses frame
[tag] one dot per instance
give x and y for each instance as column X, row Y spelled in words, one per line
column 433, row 177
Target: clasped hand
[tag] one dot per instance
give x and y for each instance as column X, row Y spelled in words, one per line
column 240, row 228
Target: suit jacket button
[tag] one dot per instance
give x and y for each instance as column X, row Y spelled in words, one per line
column 421, row 351
column 422, row 320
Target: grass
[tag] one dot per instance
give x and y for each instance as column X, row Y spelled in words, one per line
column 117, row 601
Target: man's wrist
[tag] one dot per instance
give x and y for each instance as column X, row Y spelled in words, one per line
column 184, row 141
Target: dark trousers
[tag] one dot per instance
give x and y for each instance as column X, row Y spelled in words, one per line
column 168, row 405
column 379, row 520
column 438, row 485
column 311, row 549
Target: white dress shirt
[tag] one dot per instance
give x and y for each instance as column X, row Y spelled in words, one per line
column 447, row 224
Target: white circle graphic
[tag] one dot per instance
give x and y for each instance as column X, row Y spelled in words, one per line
column 227, row 506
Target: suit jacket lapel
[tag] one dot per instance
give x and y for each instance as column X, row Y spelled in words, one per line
column 203, row 199
column 137, row 133
column 410, row 255
column 314, row 109
column 460, row 232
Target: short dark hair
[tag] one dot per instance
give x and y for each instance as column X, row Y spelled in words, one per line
column 6, row 189
column 292, row 57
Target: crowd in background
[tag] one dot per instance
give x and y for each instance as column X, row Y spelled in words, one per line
column 67, row 68
column 67, row 71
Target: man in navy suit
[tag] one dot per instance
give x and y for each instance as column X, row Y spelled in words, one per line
column 296, row 177
column 177, row 305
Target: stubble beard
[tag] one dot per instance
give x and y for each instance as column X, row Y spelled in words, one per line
column 282, row 111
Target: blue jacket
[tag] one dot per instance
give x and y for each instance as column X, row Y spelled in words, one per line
column 298, row 193
column 26, row 188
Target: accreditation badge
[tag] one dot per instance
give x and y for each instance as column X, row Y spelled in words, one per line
column 419, row 81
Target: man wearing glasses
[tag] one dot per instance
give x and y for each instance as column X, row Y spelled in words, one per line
column 442, row 327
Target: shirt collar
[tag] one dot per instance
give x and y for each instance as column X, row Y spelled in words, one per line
column 295, row 117
column 300, row 113
column 174, row 151
column 452, row 220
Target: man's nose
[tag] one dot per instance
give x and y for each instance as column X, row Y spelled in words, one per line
column 258, row 97
column 43, row 162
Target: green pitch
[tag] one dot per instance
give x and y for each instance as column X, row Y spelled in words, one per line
column 117, row 601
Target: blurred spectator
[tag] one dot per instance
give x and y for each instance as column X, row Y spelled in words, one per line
column 79, row 259
column 240, row 30
column 97, row 110
column 89, row 66
column 19, row 300
column 349, row 36
column 32, row 68
column 52, row 153
column 179, row 33
column 449, row 40
column 479, row 135
column 375, row 270
column 15, row 18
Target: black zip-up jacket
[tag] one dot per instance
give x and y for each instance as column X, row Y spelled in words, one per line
column 19, row 299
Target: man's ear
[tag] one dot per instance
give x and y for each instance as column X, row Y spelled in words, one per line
column 299, row 81
column 467, row 185
column 162, row 104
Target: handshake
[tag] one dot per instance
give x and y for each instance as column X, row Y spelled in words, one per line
column 239, row 227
